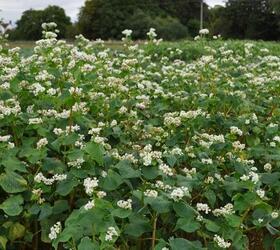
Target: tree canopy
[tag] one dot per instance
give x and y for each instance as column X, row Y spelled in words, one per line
column 258, row 19
column 107, row 18
column 173, row 19
column 29, row 25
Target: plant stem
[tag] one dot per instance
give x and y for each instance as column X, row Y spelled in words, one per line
column 154, row 232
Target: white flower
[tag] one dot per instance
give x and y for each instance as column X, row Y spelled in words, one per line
column 178, row 193
column 58, row 131
column 125, row 204
column 221, row 242
column 227, row 209
column 35, row 121
column 75, row 91
column 76, row 163
column 122, row 110
column 152, row 33
column 49, row 181
column 111, row 232
column 55, row 230
column 101, row 194
column 199, row 218
column 276, row 138
column 166, row 169
column 238, row 146
column 204, row 32
column 151, row 193
column 4, row 138
column 254, row 177
column 209, row 180
column 90, row 184
column 113, row 123
column 42, row 142
column 267, row 167
column 104, row 173
column 236, row 131
column 274, row 215
column 260, row 193
column 89, row 205
column 11, row 145
column 207, row 161
column 203, row 207
column 127, row 32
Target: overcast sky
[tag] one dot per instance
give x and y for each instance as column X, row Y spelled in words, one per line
column 12, row 9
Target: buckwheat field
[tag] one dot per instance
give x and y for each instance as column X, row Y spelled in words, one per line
column 152, row 146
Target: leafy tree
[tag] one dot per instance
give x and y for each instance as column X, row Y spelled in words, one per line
column 248, row 19
column 29, row 25
column 186, row 11
column 107, row 18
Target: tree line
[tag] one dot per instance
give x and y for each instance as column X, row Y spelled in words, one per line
column 173, row 19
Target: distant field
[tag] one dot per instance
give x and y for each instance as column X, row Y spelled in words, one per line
column 190, row 49
column 27, row 46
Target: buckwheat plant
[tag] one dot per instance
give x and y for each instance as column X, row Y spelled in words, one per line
column 143, row 147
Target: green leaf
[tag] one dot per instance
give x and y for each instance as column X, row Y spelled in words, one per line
column 187, row 225
column 87, row 244
column 34, row 209
column 150, row 172
column 126, row 171
column 180, row 244
column 233, row 220
column 13, row 164
column 253, row 140
column 66, row 186
column 3, row 242
column 212, row 226
column 121, row 213
column 159, row 204
column 112, row 181
column 160, row 244
column 184, row 210
column 16, row 231
column 270, row 178
column 137, row 226
column 276, row 244
column 53, row 164
column 245, row 201
column 12, row 182
column 211, row 197
column 171, row 160
column 12, row 206
column 46, row 211
column 60, row 206
column 95, row 152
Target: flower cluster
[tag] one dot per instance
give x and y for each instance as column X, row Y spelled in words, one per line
column 125, row 204
column 55, row 230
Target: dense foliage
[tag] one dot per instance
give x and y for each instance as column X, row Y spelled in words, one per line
column 29, row 25
column 173, row 19
column 258, row 19
column 138, row 148
column 106, row 19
